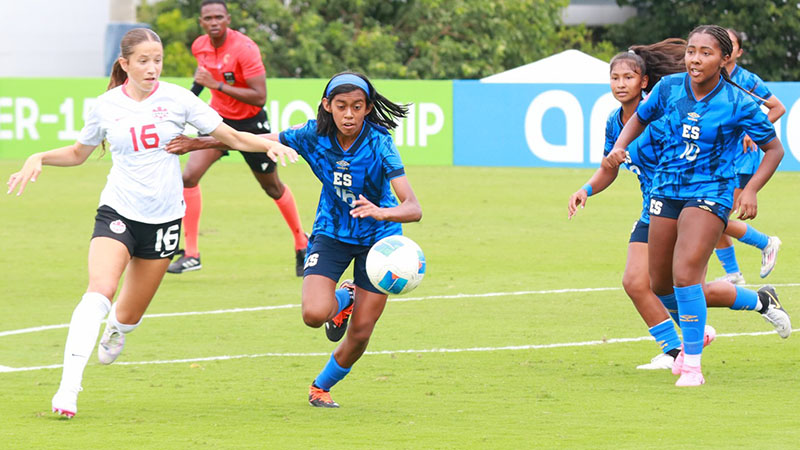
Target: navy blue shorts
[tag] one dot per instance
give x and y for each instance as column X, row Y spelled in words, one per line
column 671, row 208
column 144, row 240
column 639, row 232
column 744, row 178
column 328, row 257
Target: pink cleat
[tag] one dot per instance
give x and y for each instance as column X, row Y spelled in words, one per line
column 690, row 376
column 708, row 337
column 65, row 402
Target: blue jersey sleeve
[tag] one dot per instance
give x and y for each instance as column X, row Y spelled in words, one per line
column 612, row 132
column 754, row 122
column 392, row 165
column 652, row 108
column 302, row 138
column 760, row 89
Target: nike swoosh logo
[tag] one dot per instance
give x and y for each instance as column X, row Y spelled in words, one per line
column 166, row 254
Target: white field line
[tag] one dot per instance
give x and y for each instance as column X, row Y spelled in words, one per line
column 401, row 299
column 268, row 308
column 383, row 352
column 6, row 369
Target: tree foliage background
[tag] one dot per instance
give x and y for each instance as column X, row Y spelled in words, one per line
column 771, row 27
column 464, row 39
column 414, row 39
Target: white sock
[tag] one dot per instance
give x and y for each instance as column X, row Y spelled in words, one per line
column 82, row 337
column 692, row 360
column 124, row 328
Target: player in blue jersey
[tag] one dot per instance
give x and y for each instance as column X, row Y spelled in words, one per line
column 350, row 150
column 632, row 74
column 746, row 163
column 692, row 192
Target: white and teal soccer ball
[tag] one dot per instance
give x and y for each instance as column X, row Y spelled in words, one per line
column 395, row 265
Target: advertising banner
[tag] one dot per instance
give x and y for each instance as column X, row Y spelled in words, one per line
column 561, row 125
column 43, row 113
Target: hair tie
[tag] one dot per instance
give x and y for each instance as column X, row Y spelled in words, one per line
column 347, row 78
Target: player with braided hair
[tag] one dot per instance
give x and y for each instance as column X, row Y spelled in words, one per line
column 692, row 193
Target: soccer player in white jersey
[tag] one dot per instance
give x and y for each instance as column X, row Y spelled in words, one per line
column 138, row 220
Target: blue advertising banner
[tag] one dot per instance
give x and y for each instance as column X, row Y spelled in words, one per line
column 561, row 125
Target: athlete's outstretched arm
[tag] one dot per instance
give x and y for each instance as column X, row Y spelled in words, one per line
column 747, row 204
column 602, row 178
column 408, row 210
column 181, row 144
column 629, row 132
column 247, row 142
column 71, row 155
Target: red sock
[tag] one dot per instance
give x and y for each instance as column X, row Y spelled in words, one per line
column 191, row 221
column 289, row 211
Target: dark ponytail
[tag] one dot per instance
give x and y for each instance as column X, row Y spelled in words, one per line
column 131, row 39
column 661, row 59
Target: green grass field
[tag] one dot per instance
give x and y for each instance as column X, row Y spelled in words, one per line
column 481, row 355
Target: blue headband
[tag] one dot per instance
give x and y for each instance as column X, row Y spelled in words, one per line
column 347, row 78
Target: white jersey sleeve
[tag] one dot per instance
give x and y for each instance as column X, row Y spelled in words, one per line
column 200, row 115
column 92, row 133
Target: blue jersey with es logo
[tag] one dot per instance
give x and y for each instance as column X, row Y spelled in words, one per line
column 641, row 157
column 366, row 168
column 697, row 160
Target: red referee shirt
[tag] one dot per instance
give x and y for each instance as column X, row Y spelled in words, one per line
column 237, row 60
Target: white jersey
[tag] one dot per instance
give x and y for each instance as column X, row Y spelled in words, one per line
column 145, row 183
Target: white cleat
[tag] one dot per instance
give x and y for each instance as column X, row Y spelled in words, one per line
column 111, row 345
column 65, row 402
column 769, row 255
column 662, row 361
column 775, row 314
column 734, row 278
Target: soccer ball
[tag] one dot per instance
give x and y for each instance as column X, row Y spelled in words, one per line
column 395, row 265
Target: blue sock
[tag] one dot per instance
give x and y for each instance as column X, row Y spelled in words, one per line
column 672, row 306
column 692, row 310
column 745, row 299
column 754, row 237
column 331, row 374
column 343, row 299
column 665, row 335
column 727, row 256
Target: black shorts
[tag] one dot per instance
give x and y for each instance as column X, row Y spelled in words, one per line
column 639, row 232
column 259, row 162
column 744, row 178
column 144, row 240
column 671, row 208
column 329, row 257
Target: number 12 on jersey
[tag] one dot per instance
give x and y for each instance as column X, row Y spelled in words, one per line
column 148, row 138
